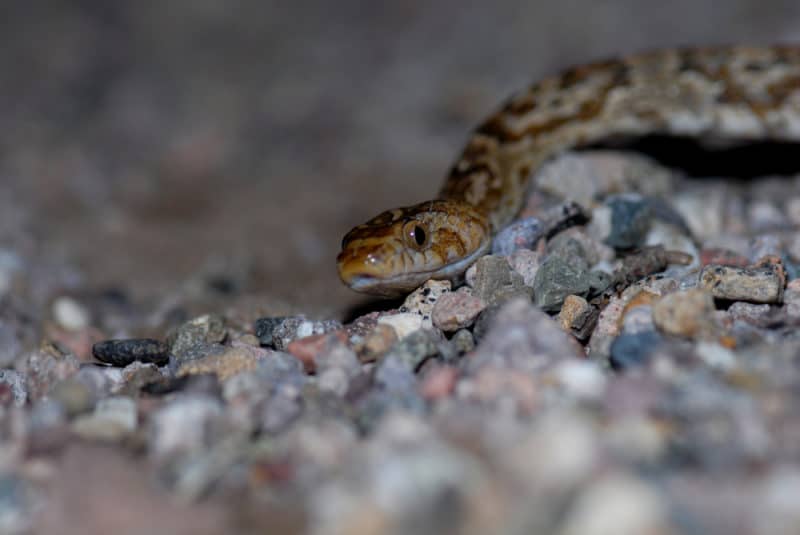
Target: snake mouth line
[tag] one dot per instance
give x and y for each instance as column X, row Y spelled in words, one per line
column 405, row 282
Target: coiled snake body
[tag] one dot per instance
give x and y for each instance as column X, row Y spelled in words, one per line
column 747, row 93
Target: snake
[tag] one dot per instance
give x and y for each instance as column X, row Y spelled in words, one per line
column 740, row 93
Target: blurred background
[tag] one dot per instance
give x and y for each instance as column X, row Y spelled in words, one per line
column 146, row 144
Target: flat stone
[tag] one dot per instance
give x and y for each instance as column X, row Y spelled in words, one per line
column 456, row 310
column 688, row 313
column 762, row 284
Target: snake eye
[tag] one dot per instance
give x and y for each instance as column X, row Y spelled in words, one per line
column 415, row 235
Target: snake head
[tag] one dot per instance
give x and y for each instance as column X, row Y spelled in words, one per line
column 398, row 250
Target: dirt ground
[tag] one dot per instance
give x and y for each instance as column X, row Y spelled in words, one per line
column 146, row 145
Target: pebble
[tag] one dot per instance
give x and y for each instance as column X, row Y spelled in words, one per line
column 722, row 257
column 264, row 327
column 306, row 349
column 183, row 425
column 123, row 352
column 376, row 342
column 523, row 337
column 755, row 284
column 238, row 358
column 628, row 350
column 577, row 317
column 581, row 379
column 631, row 217
column 439, row 382
column 13, row 388
column 336, row 354
column 463, row 341
column 70, row 314
column 749, row 312
column 197, row 338
column 495, row 282
column 791, row 298
column 456, row 310
column 74, row 396
column 689, row 313
column 521, row 234
column 526, row 263
column 558, row 278
column 403, row 324
column 422, row 300
column 296, row 327
column 113, row 419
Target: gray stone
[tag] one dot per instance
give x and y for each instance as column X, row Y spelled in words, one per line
column 495, row 281
column 13, row 389
column 556, row 279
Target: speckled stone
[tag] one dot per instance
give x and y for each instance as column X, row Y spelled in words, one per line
column 526, row 263
column 456, row 310
column 422, row 300
column 264, row 327
column 13, row 391
column 688, row 313
column 756, row 284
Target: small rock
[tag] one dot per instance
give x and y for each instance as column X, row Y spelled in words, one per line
column 556, row 279
column 577, row 317
column 422, row 300
column 281, row 409
column 582, row 379
column 456, row 310
column 70, row 314
column 756, row 284
column 183, row 425
column 463, row 341
column 629, row 350
column 791, row 298
column 526, row 263
column 523, row 337
column 439, row 382
column 334, row 380
column 113, row 419
column 403, row 324
column 617, row 504
column 415, row 348
column 749, row 312
column 335, row 353
column 306, row 349
column 495, row 282
column 722, row 257
column 631, row 217
column 521, row 234
column 234, row 360
column 298, row 327
column 13, row 390
column 123, row 352
column 264, row 328
column 197, row 337
column 376, row 343
column 74, row 396
column 689, row 313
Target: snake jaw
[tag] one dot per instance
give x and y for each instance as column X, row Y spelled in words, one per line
column 386, row 257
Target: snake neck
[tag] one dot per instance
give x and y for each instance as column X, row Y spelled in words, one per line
column 749, row 93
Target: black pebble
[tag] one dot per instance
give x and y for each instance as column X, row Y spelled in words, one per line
column 264, row 328
column 123, row 352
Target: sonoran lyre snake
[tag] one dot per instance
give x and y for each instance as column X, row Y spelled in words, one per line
column 738, row 92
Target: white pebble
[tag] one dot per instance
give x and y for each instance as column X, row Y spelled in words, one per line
column 70, row 314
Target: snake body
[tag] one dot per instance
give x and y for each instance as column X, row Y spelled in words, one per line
column 736, row 92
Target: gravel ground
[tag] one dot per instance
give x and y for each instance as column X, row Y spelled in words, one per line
column 177, row 355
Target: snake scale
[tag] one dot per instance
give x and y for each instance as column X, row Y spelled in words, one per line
column 733, row 92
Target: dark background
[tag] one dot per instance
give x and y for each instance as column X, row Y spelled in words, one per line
column 146, row 144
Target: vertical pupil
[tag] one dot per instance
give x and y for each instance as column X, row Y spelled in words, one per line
column 419, row 235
